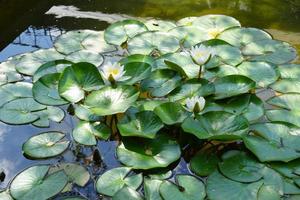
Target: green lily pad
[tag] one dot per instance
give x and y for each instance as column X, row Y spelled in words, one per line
column 190, row 88
column 171, row 113
column 273, row 181
column 267, row 193
column 187, row 187
column 12, row 91
column 232, row 85
column 142, row 124
column 109, row 100
column 115, row 179
column 159, row 25
column 287, row 101
column 119, row 32
column 52, row 113
column 82, row 112
column 45, row 90
column 24, row 186
column 292, row 117
column 147, row 42
column 204, row 163
column 220, row 71
column 151, row 189
column 216, row 125
column 5, row 195
column 273, row 142
column 240, row 37
column 73, row 41
column 289, row 71
column 137, row 58
column 76, row 173
column 127, row 193
column 136, row 71
column 287, row 86
column 45, row 145
column 189, row 35
column 86, row 56
column 273, row 51
column 242, row 168
column 8, row 73
column 86, row 132
column 51, row 67
column 78, row 79
column 161, row 82
column 220, row 188
column 20, row 111
column 28, row 63
column 148, row 153
column 262, row 73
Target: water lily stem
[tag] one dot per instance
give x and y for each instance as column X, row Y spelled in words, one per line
column 200, row 71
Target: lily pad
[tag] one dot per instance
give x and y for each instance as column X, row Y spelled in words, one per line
column 291, row 71
column 216, row 125
column 115, row 179
column 45, row 145
column 147, row 42
column 119, row 32
column 4, row 195
column 12, row 91
column 52, row 113
column 286, row 101
column 45, row 90
column 262, row 73
column 287, row 86
column 137, row 58
column 136, row 71
column 78, row 79
column 159, row 25
column 188, row 188
column 204, row 163
column 86, row 132
column 82, row 112
column 161, row 82
column 151, row 189
column 109, row 100
column 220, row 188
column 148, row 153
column 232, row 85
column 20, row 111
column 291, row 117
column 142, row 124
column 28, row 63
column 242, row 168
column 127, row 193
column 240, row 37
column 8, row 73
column 273, row 51
column 86, row 56
column 171, row 113
column 24, row 186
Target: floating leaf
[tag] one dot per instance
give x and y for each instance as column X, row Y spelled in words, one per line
column 45, row 90
column 136, row 71
column 289, row 71
column 151, row 189
column 4, row 195
column 143, row 124
column 28, row 63
column 171, row 113
column 55, row 114
column 286, row 86
column 115, row 179
column 119, row 32
column 220, row 188
column 86, row 56
column 216, row 125
column 159, row 25
column 14, row 91
column 262, row 73
column 287, row 101
column 8, row 73
column 127, row 193
column 292, row 117
column 232, row 85
column 24, row 186
column 147, row 42
column 45, row 145
column 77, row 79
column 148, row 153
column 86, row 132
column 82, row 112
column 204, row 163
column 20, row 111
column 189, row 188
column 109, row 100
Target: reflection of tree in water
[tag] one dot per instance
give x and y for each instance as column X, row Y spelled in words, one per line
column 38, row 37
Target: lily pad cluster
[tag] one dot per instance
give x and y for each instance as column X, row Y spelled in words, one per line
column 221, row 97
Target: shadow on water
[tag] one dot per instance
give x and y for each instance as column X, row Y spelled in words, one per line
column 24, row 27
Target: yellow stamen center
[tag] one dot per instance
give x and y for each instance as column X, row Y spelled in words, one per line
column 114, row 71
column 214, row 33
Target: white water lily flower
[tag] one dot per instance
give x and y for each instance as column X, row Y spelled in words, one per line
column 112, row 70
column 201, row 54
column 213, row 32
column 195, row 104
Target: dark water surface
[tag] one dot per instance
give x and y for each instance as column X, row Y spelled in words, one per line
column 24, row 27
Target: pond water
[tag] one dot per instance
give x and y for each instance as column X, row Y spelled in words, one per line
column 32, row 24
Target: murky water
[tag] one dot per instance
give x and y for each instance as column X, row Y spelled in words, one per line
column 24, row 27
